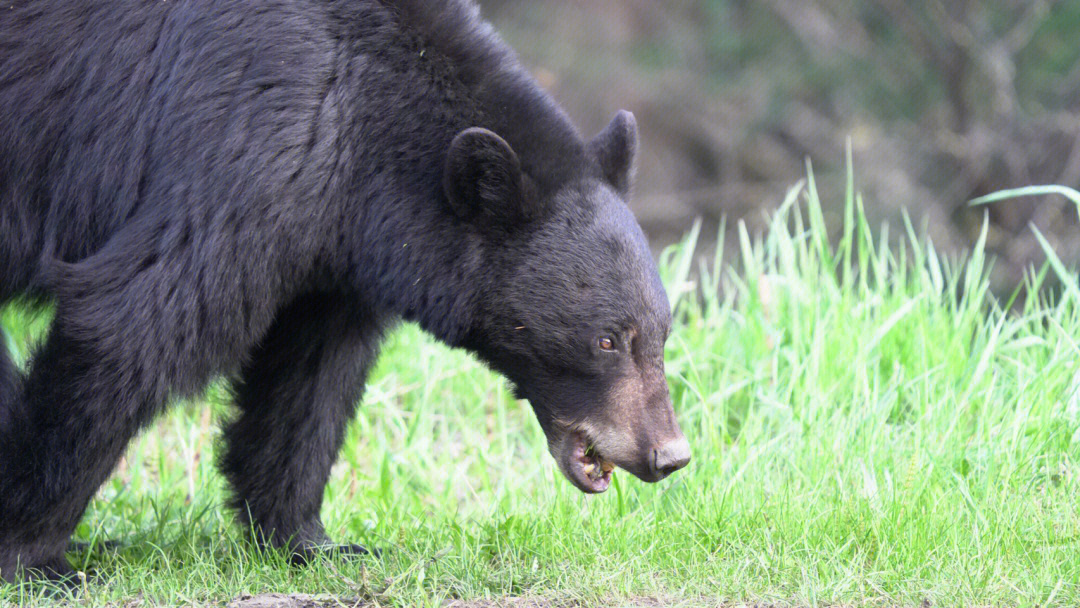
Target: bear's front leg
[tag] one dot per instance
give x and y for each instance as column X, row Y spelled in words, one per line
column 296, row 397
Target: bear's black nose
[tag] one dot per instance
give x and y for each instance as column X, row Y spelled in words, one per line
column 670, row 457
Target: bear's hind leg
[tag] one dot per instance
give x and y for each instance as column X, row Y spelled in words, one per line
column 76, row 411
column 296, row 397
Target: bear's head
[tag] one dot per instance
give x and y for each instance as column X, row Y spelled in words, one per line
column 575, row 314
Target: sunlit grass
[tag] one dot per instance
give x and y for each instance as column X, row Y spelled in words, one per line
column 868, row 425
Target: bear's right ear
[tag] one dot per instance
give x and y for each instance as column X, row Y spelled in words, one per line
column 483, row 179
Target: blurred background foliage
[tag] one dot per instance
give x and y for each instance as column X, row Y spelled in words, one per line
column 943, row 101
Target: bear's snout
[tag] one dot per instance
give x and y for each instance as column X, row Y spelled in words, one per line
column 670, row 457
column 633, row 428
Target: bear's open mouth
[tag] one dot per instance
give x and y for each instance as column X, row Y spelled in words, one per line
column 588, row 469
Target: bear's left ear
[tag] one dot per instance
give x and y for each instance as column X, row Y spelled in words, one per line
column 615, row 148
column 483, row 179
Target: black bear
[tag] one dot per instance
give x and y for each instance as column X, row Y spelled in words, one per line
column 258, row 190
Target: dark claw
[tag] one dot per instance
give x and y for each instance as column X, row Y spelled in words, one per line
column 305, row 555
column 97, row 545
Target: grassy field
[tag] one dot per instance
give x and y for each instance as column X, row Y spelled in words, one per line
column 869, row 427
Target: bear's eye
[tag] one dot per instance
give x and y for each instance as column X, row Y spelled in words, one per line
column 607, row 344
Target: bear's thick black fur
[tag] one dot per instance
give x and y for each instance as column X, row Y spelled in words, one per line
column 258, row 190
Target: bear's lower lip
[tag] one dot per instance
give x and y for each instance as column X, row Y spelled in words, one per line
column 589, row 471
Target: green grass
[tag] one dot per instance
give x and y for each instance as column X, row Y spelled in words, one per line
column 869, row 427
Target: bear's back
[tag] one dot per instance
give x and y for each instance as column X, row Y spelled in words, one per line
column 109, row 108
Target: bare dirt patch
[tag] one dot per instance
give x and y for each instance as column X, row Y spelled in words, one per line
column 279, row 600
column 525, row 602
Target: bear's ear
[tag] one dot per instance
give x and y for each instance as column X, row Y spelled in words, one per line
column 615, row 148
column 483, row 179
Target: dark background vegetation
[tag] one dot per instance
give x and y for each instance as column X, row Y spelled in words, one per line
column 943, row 100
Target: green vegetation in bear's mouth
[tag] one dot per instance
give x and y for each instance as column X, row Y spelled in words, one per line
column 868, row 427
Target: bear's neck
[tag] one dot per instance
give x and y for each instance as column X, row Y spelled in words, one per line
column 420, row 263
